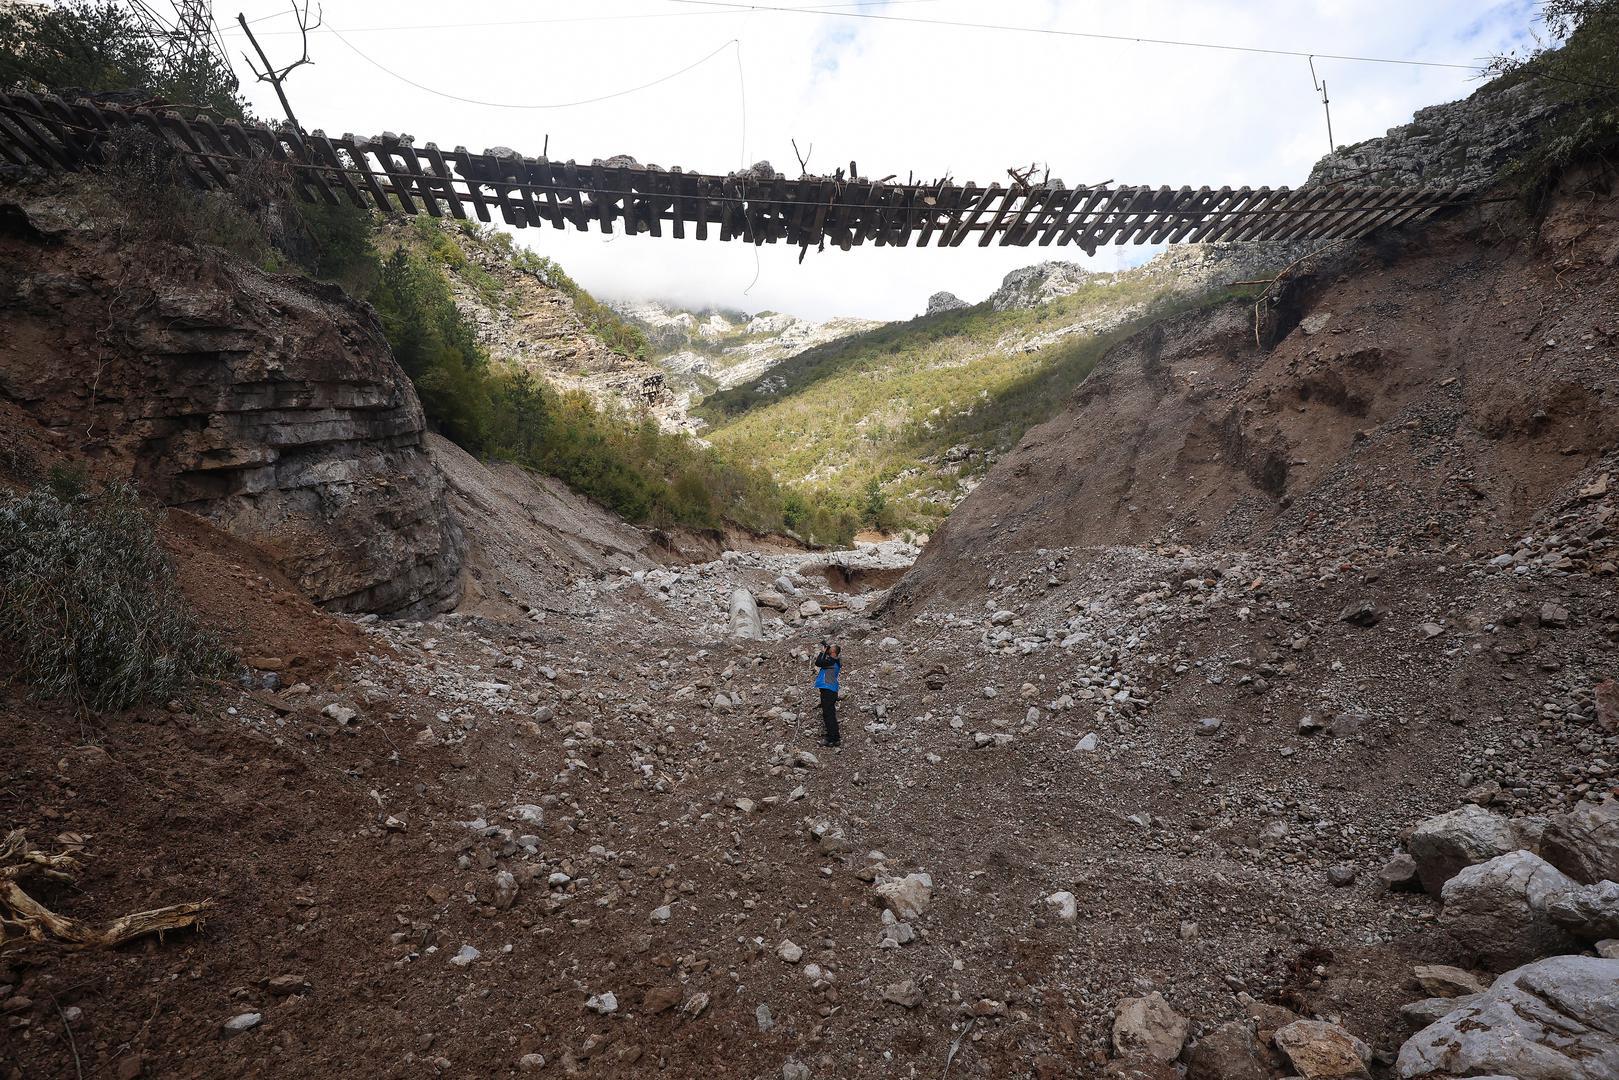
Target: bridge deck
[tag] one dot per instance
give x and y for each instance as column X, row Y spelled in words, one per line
column 393, row 176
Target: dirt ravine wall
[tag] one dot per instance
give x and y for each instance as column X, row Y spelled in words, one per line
column 1444, row 386
column 266, row 403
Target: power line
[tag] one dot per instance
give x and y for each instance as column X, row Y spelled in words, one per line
column 736, row 5
column 508, row 105
column 826, row 8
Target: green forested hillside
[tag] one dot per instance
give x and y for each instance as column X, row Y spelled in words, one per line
column 909, row 414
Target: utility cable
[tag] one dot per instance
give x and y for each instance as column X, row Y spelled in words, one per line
column 509, row 105
column 735, row 5
column 825, row 8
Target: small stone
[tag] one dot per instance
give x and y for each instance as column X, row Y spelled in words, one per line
column 662, row 914
column 1209, row 725
column 1399, row 873
column 288, row 985
column 341, row 713
column 907, row 897
column 1441, row 980
column 1341, row 875
column 1321, row 1051
column 1063, row 905
column 1087, row 745
column 605, row 1004
column 1229, row 1052
column 1149, row 1027
column 1553, row 615
column 243, row 1022
column 1419, row 1014
column 531, row 1062
column 904, row 993
column 527, row 813
column 464, row 956
column 661, row 999
column 1361, row 613
column 789, row 952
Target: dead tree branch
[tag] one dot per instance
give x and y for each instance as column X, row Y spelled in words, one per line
column 264, row 71
column 22, row 918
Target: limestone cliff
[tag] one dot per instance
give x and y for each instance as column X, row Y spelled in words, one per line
column 267, row 403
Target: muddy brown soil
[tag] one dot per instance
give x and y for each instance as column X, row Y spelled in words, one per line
column 1200, row 653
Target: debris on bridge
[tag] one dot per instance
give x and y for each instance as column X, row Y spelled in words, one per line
column 757, row 205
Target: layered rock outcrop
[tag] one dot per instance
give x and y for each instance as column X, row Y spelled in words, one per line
column 269, row 404
column 1458, row 144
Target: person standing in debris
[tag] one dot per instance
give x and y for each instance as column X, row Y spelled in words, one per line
column 828, row 666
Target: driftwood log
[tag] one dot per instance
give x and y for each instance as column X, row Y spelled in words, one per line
column 24, row 919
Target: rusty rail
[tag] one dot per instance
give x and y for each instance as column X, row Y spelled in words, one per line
column 392, row 175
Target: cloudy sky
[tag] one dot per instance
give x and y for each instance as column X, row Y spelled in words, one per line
column 892, row 93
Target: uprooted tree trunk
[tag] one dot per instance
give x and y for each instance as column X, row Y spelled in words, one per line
column 22, row 918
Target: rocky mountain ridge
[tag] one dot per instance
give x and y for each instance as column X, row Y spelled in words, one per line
column 1462, row 144
column 523, row 320
column 704, row 351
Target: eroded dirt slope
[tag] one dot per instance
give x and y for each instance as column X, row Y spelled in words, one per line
column 1436, row 388
column 599, row 840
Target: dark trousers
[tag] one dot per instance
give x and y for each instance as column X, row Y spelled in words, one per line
column 829, row 714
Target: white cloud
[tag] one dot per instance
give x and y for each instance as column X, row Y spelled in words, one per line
column 896, row 97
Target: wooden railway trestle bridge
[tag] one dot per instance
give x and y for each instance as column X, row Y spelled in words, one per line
column 393, row 175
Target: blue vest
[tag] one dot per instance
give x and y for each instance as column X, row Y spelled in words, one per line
column 827, row 678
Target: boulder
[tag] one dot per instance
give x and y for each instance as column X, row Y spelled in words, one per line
column 1497, row 910
column 1063, row 905
column 1555, row 1019
column 1321, row 1051
column 907, row 897
column 905, row 993
column 1584, row 843
column 1589, row 912
column 1399, row 873
column 1441, row 980
column 1147, row 1027
column 1443, row 845
column 1268, row 1018
column 745, row 616
column 941, row 302
column 1419, row 1014
column 1229, row 1052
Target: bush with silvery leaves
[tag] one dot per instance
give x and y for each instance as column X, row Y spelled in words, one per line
column 89, row 607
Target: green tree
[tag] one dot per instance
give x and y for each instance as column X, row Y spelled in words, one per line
column 99, row 45
column 874, row 508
